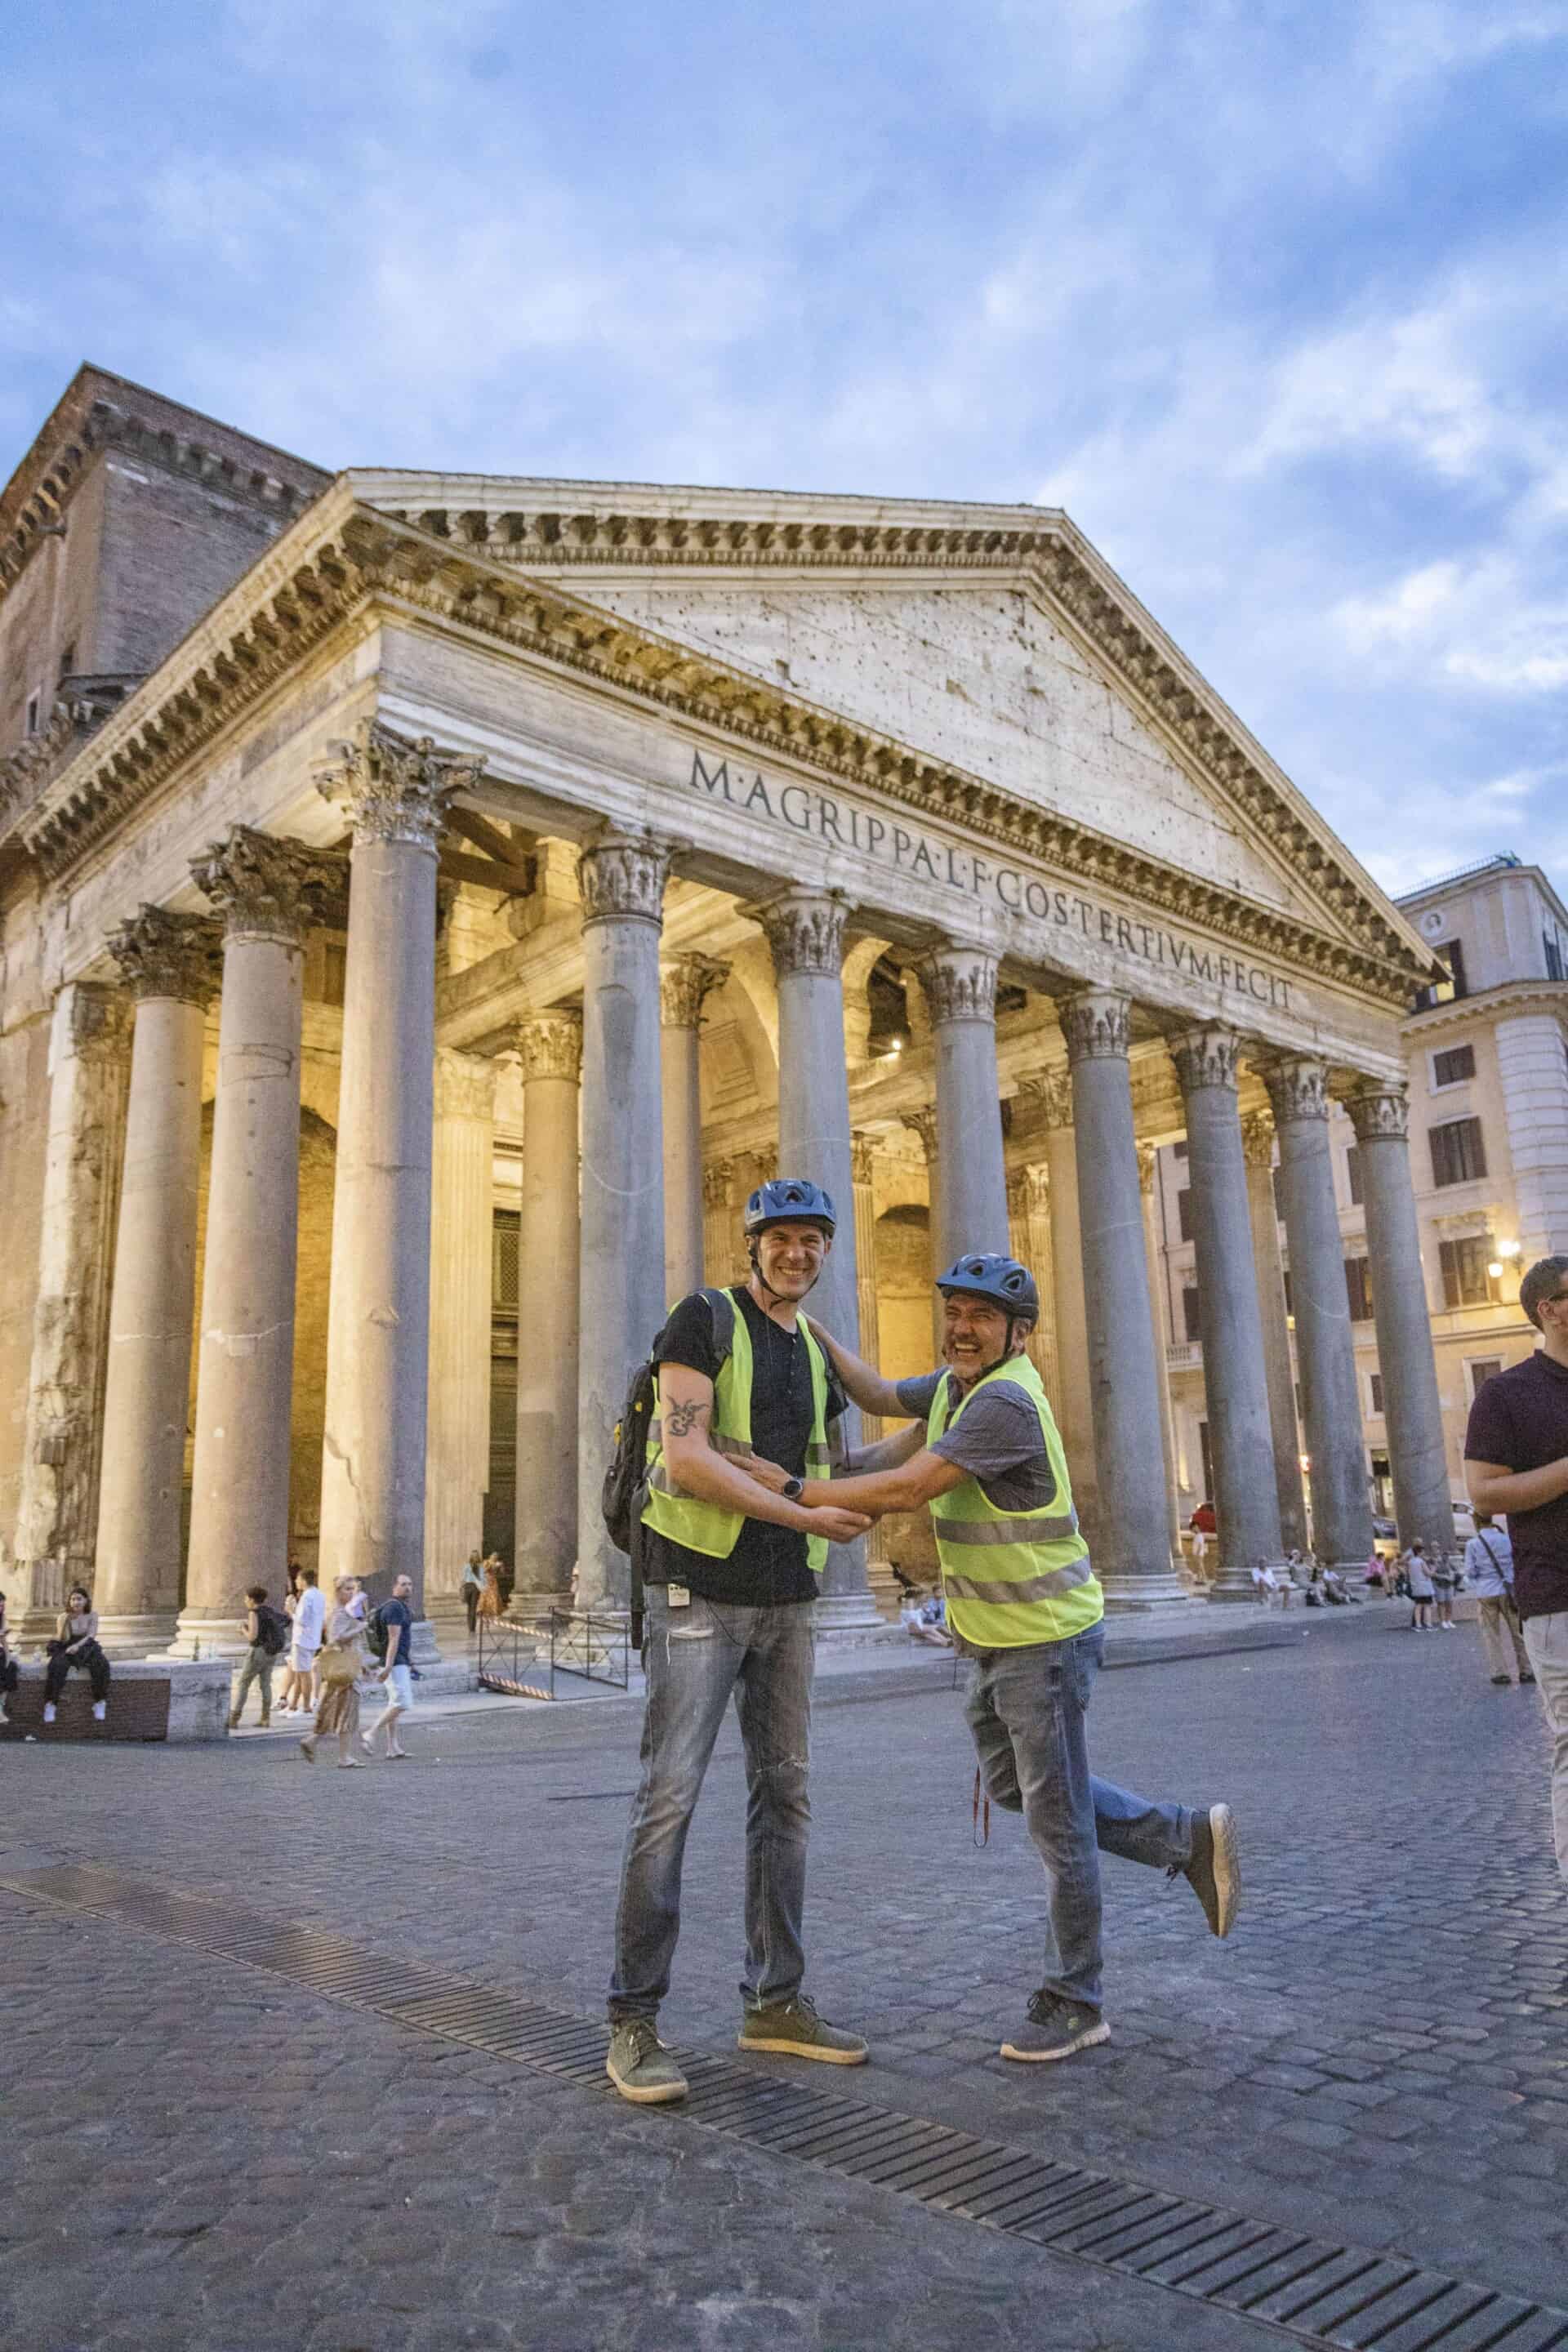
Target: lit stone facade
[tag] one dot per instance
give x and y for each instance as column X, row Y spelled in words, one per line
column 585, row 855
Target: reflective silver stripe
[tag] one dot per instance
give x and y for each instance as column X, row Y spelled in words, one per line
column 1008, row 1531
column 818, row 1454
column 721, row 1445
column 660, row 1479
column 1028, row 1588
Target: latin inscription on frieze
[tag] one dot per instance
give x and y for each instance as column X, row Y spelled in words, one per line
column 905, row 848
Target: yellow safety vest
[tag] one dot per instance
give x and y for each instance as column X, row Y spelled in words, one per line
column 1012, row 1578
column 709, row 1527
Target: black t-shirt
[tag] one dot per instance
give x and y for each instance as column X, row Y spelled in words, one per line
column 1519, row 1419
column 768, row 1564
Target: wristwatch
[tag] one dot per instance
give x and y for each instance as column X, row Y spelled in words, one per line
column 793, row 1487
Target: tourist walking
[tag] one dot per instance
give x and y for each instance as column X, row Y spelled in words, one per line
column 1516, row 1461
column 339, row 1665
column 1488, row 1572
column 473, row 1589
column 397, row 1620
column 266, row 1637
column 1444, row 1581
column 1419, row 1585
column 76, row 1644
column 1025, row 1604
column 730, row 1565
column 310, row 1618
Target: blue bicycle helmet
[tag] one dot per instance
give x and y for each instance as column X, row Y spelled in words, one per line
column 984, row 1275
column 790, row 1201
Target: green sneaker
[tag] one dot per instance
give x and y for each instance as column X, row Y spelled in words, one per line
column 639, row 2065
column 1214, row 1873
column 795, row 2028
column 1055, row 2028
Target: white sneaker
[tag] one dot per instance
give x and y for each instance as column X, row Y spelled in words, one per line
column 48, row 1711
column 100, row 1710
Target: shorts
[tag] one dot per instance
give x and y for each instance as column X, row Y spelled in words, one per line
column 400, row 1688
column 301, row 1660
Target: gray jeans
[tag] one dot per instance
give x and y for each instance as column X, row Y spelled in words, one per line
column 1546, row 1641
column 257, row 1668
column 695, row 1659
column 1026, row 1709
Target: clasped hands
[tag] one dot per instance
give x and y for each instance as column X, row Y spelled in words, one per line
column 832, row 1520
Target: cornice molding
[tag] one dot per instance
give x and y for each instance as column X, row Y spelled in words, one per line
column 1490, row 1005
column 346, row 560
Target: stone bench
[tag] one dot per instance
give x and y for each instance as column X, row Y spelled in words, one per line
column 149, row 1698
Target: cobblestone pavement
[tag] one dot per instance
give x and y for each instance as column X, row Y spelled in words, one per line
column 198, row 2156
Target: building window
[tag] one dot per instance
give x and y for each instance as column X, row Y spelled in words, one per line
column 1290, row 1302
column 1450, row 1067
column 1444, row 992
column 1459, row 1155
column 1358, row 1289
column 1185, row 1212
column 1352, row 1173
column 1553, row 957
column 1465, row 1279
column 1374, row 1381
column 32, row 714
column 1480, row 1370
column 504, row 1242
column 1190, row 1312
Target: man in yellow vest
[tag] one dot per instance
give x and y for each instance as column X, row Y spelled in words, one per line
column 731, row 1559
column 1024, row 1602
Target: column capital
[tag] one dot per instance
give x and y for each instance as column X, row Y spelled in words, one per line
column 1029, row 1188
column 1258, row 1139
column 164, row 954
column 862, row 1155
column 1052, row 1092
column 465, row 1084
column 923, row 1124
column 1148, row 1158
column 804, row 930
column 396, row 787
column 1298, row 1085
column 1206, row 1056
column 959, row 982
column 549, row 1045
column 1380, row 1110
column 265, row 886
column 683, row 984
column 1098, row 1025
column 717, row 1179
column 621, row 876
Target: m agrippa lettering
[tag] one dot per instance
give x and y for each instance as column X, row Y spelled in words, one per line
column 905, row 848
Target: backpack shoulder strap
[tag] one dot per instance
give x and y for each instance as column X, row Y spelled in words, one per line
column 722, row 1307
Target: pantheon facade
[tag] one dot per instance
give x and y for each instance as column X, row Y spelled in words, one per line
column 543, row 863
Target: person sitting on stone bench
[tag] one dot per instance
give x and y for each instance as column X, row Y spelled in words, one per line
column 10, row 1673
column 76, row 1644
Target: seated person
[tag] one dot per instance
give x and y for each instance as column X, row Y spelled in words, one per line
column 76, row 1644
column 10, row 1673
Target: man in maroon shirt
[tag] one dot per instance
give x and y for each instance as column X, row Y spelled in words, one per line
column 1516, row 1461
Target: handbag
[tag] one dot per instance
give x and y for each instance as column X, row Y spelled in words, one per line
column 340, row 1663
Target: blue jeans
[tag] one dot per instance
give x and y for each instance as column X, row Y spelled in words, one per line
column 1026, row 1709
column 695, row 1658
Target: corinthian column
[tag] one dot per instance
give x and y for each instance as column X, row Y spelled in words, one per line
column 1133, row 1542
column 1422, row 1506
column 805, row 932
column 1070, row 1400
column 1258, row 1150
column 171, row 967
column 863, row 1158
column 462, row 1215
column 923, row 1124
column 57, row 1518
column 718, row 1220
column 622, row 877
column 1246, row 1502
column 267, row 892
column 1325, row 1344
column 1029, row 1220
column 549, row 1045
column 1148, row 1157
column 960, row 984
column 685, row 983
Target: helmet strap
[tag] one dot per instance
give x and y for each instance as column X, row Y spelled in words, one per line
column 764, row 1283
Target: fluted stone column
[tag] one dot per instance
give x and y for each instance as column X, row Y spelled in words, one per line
column 923, row 1124
column 884, row 1586
column 57, row 1516
column 1148, row 1162
column 1258, row 1150
column 720, row 1221
column 1325, row 1342
column 1247, row 1502
column 1422, row 1501
column 960, row 986
column 1029, row 1222
column 267, row 892
column 1072, row 1402
column 457, row 1429
column 549, row 1278
column 685, row 983
column 171, row 964
column 1133, row 1542
column 393, row 791
column 622, row 877
column 805, row 932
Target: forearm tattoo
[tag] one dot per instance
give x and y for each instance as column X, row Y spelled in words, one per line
column 683, row 1416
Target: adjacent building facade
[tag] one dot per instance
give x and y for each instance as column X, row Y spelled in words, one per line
column 408, row 975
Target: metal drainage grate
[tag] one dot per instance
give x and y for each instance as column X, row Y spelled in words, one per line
column 1309, row 2288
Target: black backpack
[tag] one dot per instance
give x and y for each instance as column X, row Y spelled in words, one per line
column 271, row 1630
column 624, row 1493
column 375, row 1635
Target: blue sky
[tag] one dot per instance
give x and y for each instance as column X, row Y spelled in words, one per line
column 1271, row 297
